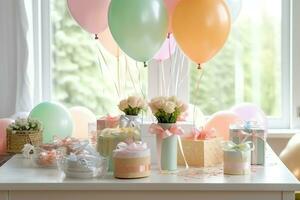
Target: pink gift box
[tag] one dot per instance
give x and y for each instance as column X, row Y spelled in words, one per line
column 107, row 122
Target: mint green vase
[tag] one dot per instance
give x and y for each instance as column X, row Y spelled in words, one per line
column 168, row 150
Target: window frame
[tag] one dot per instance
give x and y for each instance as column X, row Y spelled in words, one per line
column 290, row 103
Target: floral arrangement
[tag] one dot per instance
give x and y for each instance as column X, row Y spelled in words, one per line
column 26, row 125
column 167, row 109
column 133, row 105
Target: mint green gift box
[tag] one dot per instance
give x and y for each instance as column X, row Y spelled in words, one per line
column 251, row 131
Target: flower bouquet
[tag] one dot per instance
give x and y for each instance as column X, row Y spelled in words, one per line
column 23, row 131
column 167, row 110
column 132, row 107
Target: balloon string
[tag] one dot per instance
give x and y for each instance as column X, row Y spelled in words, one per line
column 197, row 89
column 118, row 75
column 130, row 75
column 177, row 77
column 140, row 82
column 171, row 68
column 109, row 71
column 163, row 77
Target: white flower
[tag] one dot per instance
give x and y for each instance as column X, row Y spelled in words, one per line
column 123, row 105
column 169, row 107
column 158, row 102
column 132, row 101
column 173, row 99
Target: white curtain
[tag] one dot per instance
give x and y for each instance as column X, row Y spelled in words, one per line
column 14, row 75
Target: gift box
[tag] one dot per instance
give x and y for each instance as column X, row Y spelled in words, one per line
column 131, row 160
column 201, row 149
column 237, row 158
column 109, row 138
column 251, row 131
column 107, row 122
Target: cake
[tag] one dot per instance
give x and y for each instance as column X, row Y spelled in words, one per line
column 132, row 160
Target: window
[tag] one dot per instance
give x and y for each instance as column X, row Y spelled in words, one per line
column 84, row 73
column 247, row 66
column 253, row 66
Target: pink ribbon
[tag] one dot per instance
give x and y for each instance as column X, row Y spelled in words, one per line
column 158, row 130
column 197, row 134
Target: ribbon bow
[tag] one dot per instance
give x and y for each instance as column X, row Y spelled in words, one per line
column 129, row 122
column 164, row 133
column 135, row 146
column 203, row 134
column 231, row 146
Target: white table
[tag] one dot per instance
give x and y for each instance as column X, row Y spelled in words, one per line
column 19, row 180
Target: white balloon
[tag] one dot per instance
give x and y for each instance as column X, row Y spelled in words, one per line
column 81, row 117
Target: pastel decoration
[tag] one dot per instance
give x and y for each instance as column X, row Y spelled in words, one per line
column 138, row 26
column 201, row 28
column 166, row 50
column 166, row 142
column 220, row 122
column 290, row 155
column 56, row 120
column 4, row 123
column 170, row 5
column 81, row 117
column 251, row 112
column 91, row 15
column 237, row 158
column 132, row 160
column 251, row 131
column 201, row 149
column 109, row 138
column 108, row 42
column 235, row 7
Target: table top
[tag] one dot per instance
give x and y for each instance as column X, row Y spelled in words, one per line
column 20, row 174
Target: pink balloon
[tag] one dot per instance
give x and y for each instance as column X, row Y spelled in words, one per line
column 167, row 49
column 171, row 5
column 251, row 112
column 90, row 15
column 3, row 125
column 220, row 122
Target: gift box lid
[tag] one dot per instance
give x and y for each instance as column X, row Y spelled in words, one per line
column 249, row 127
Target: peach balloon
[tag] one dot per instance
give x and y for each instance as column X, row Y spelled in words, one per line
column 220, row 122
column 81, row 117
column 4, row 123
column 108, row 42
column 201, row 28
column 290, row 155
column 171, row 5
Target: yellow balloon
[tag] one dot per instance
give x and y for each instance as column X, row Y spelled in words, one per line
column 81, row 117
column 290, row 155
column 201, row 27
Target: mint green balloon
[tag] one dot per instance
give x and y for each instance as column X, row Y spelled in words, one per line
column 138, row 26
column 55, row 118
